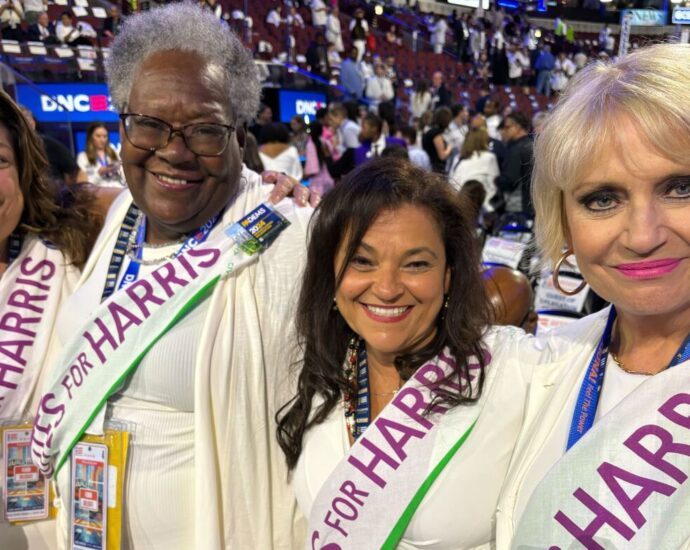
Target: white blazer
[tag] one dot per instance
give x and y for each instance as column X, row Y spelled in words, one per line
column 550, row 400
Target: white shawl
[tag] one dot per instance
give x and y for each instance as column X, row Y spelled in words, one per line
column 242, row 499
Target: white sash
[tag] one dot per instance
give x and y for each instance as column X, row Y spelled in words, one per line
column 625, row 483
column 369, row 499
column 29, row 298
column 120, row 332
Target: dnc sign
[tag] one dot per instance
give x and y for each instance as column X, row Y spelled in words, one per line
column 68, row 102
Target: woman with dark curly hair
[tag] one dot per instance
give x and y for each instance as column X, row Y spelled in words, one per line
column 407, row 405
column 45, row 237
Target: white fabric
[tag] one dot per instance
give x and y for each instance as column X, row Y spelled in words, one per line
column 12, row 18
column 36, row 535
column 492, row 123
column 273, row 18
column 334, row 33
column 241, row 499
column 318, row 13
column 438, row 34
column 378, row 89
column 62, row 32
column 481, row 166
column 457, row 513
column 91, row 171
column 286, row 161
column 420, row 103
column 550, row 405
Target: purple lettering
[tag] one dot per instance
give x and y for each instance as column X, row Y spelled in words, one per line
column 30, row 282
column 656, row 458
column 146, row 296
column 16, row 354
column 611, row 473
column 338, row 503
column 335, row 525
column 67, row 385
column 214, row 254
column 369, row 468
column 187, row 266
column 386, row 427
column 24, row 268
column 106, row 337
column 348, row 489
column 601, row 517
column 165, row 277
column 670, row 409
column 17, row 325
column 5, row 371
column 118, row 312
column 413, row 405
column 22, row 299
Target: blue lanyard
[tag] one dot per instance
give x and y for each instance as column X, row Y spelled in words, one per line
column 15, row 242
column 363, row 410
column 588, row 398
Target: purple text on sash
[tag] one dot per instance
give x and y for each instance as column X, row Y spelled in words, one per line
column 146, row 296
column 20, row 318
column 378, row 463
column 658, row 442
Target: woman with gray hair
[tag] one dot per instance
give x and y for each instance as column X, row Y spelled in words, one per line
column 176, row 333
column 608, row 420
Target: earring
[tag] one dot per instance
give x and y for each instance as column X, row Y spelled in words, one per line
column 555, row 274
column 335, row 305
column 444, row 309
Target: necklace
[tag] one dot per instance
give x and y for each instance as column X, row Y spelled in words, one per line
column 133, row 247
column 625, row 369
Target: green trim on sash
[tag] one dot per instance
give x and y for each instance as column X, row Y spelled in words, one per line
column 401, row 526
column 184, row 310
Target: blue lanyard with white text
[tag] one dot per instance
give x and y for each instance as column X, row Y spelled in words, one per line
column 15, row 248
column 195, row 239
column 363, row 409
column 588, row 397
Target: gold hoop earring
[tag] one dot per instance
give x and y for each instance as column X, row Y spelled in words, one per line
column 556, row 272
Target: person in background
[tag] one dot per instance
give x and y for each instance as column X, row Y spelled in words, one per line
column 69, row 34
column 441, row 95
column 493, row 118
column 43, row 30
column 334, row 33
column 276, row 152
column 351, row 76
column 275, row 17
column 438, row 30
column 112, row 23
column 379, row 88
column 457, row 129
column 317, row 56
column 100, row 161
column 476, row 163
column 319, row 13
column 516, row 170
column 264, row 116
column 420, row 101
column 251, row 157
column 433, row 142
column 543, row 66
column 299, row 136
column 32, row 9
column 346, row 130
column 294, row 18
column 11, row 17
column 315, row 167
column 417, row 155
column 359, row 32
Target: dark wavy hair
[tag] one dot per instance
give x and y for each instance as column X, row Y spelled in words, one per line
column 347, row 212
column 64, row 217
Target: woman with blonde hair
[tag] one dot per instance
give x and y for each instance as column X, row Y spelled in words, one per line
column 607, row 420
column 476, row 163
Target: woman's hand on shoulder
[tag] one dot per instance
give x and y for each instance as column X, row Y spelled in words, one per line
column 286, row 186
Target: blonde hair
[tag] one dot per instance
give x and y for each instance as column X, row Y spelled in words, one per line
column 650, row 88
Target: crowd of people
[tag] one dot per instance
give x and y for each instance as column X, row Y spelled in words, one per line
column 256, row 373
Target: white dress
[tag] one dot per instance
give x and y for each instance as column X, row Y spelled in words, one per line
column 286, row 161
column 457, row 512
column 481, row 166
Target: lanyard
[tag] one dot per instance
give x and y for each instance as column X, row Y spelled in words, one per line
column 588, row 398
column 120, row 249
column 363, row 410
column 15, row 247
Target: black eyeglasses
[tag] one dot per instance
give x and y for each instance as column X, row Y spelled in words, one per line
column 206, row 139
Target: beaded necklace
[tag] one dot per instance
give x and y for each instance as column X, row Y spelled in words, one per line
column 357, row 404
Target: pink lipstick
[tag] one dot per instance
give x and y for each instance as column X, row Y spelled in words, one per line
column 648, row 269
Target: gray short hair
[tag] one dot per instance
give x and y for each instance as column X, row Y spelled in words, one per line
column 187, row 27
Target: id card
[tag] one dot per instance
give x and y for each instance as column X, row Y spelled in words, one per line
column 89, row 496
column 25, row 491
